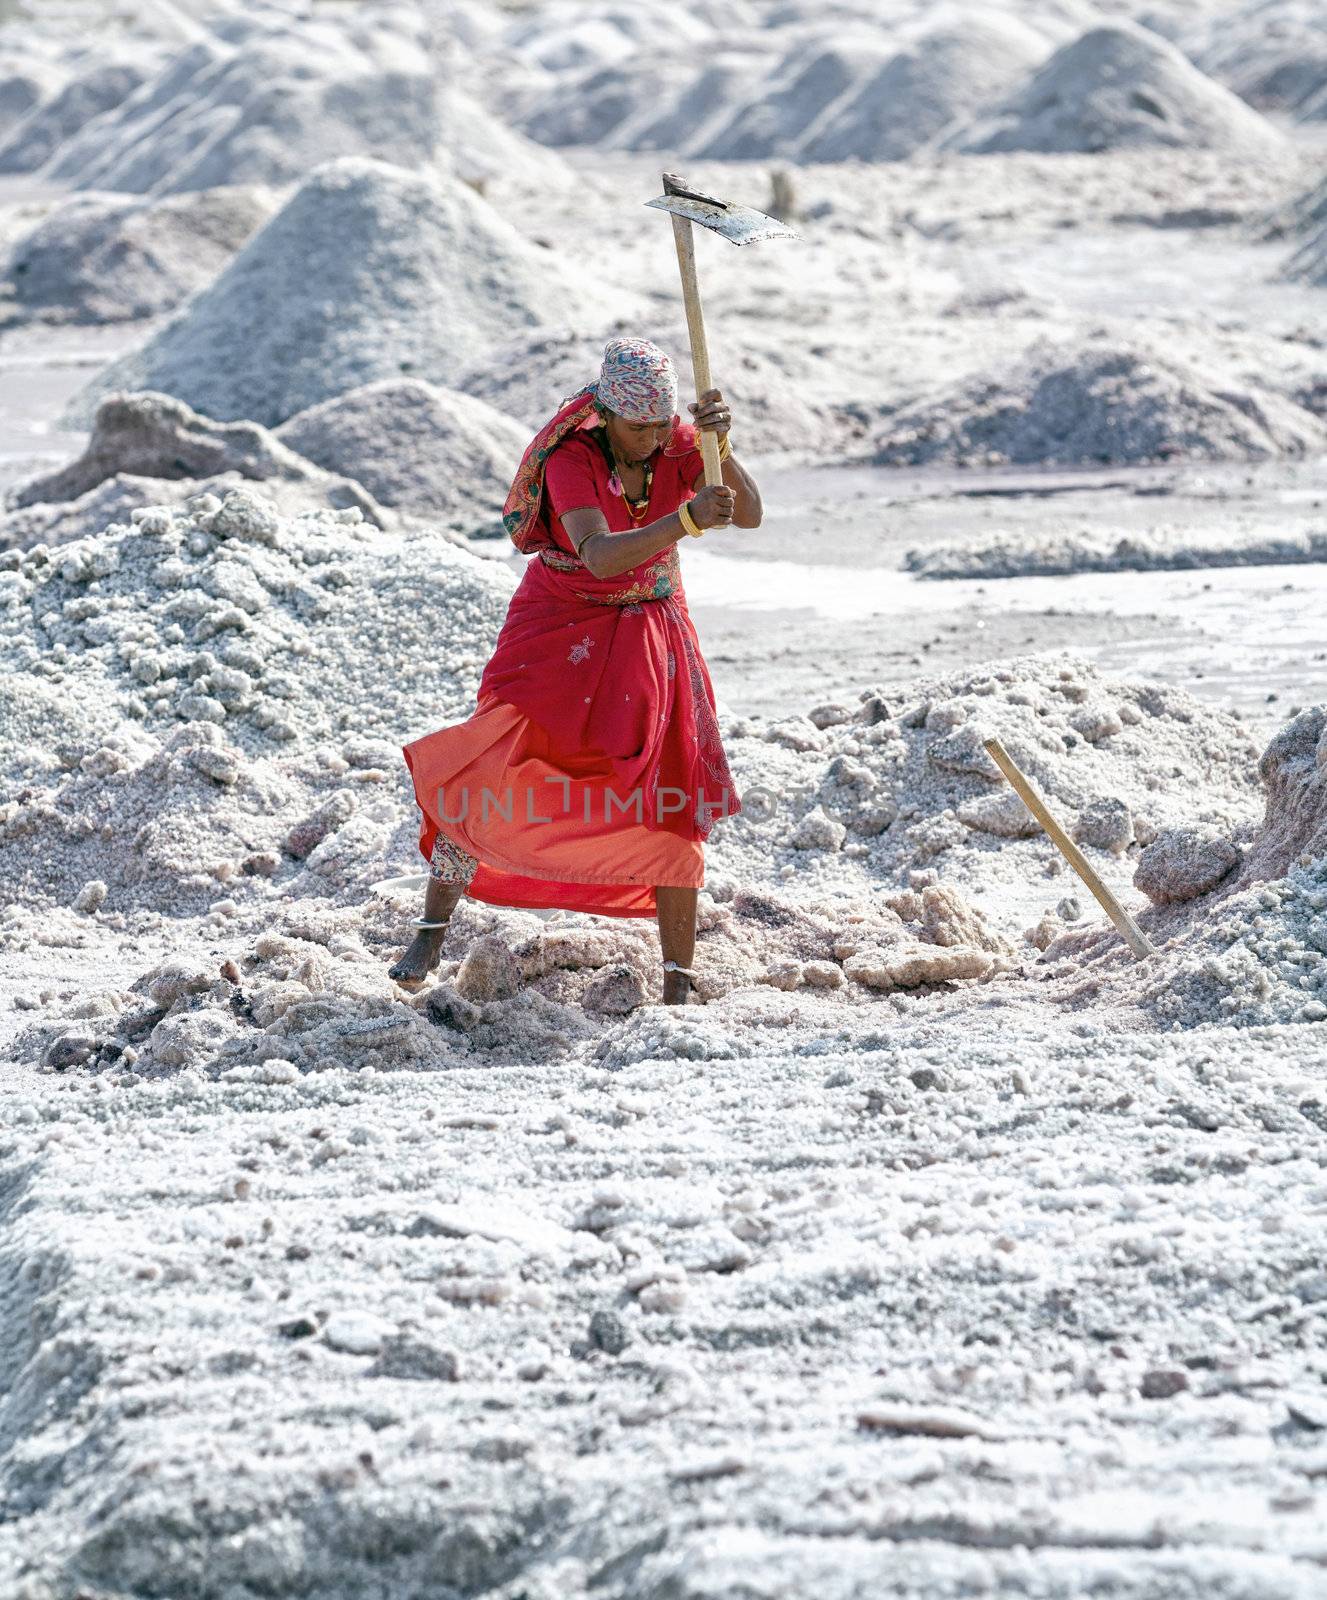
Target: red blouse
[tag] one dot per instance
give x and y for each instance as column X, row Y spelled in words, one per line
column 577, row 473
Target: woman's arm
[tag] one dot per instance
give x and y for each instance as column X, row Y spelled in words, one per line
column 748, row 508
column 713, row 414
column 607, row 553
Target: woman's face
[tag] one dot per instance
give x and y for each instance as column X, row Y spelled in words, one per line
column 635, row 442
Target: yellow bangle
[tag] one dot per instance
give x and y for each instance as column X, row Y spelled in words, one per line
column 725, row 448
column 688, row 521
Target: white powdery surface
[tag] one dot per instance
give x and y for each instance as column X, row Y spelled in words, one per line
column 116, row 498
column 28, row 76
column 154, row 436
column 946, row 74
column 112, row 258
column 1309, row 262
column 426, row 451
column 1022, row 555
column 903, row 789
column 1104, row 398
column 1119, row 86
column 1272, row 53
column 422, row 275
column 100, row 86
column 261, row 100
column 117, row 622
column 803, row 1322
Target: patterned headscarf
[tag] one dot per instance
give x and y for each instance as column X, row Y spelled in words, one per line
column 637, row 381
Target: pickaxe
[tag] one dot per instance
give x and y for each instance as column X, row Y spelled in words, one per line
column 737, row 224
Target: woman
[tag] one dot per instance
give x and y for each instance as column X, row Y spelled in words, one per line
column 592, row 769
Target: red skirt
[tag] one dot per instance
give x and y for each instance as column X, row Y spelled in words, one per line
column 592, row 769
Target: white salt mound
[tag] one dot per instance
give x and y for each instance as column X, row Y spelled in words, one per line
column 152, row 436
column 25, row 81
column 111, row 258
column 1248, row 926
column 1302, row 217
column 689, row 104
column 426, row 451
column 290, row 93
column 484, row 151
column 559, row 42
column 1272, row 53
column 32, row 142
column 1119, row 87
column 278, row 630
column 778, row 112
column 946, row 74
column 587, row 109
column 116, row 499
column 1309, row 262
column 1025, row 555
column 1101, row 400
column 424, row 277
column 914, row 792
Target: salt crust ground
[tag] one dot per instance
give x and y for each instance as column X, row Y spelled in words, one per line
column 580, row 1249
column 1087, row 550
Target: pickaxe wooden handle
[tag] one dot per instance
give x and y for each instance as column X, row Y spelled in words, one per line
column 1130, row 932
column 685, row 241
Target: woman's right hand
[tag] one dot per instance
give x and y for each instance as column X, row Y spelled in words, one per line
column 713, row 505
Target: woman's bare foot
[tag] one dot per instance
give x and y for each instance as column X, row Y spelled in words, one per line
column 424, row 951
column 419, row 958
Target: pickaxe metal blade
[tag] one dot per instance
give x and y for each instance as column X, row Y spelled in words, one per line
column 737, row 224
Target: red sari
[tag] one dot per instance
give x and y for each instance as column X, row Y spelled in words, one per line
column 592, row 768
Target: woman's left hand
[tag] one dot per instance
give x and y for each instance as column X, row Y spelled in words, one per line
column 711, row 413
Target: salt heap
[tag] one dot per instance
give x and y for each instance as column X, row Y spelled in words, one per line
column 946, row 74
column 779, row 112
column 561, row 43
column 110, row 258
column 263, row 100
column 1163, row 549
column 1272, row 53
column 903, row 791
column 276, row 630
column 1118, row 87
column 1102, row 400
column 1241, row 921
column 1309, row 262
column 1300, row 217
column 690, row 106
column 26, row 79
column 32, row 142
column 138, row 440
column 423, row 276
column 592, row 106
column 426, row 451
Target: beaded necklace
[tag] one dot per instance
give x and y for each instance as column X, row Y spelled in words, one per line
column 637, row 510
